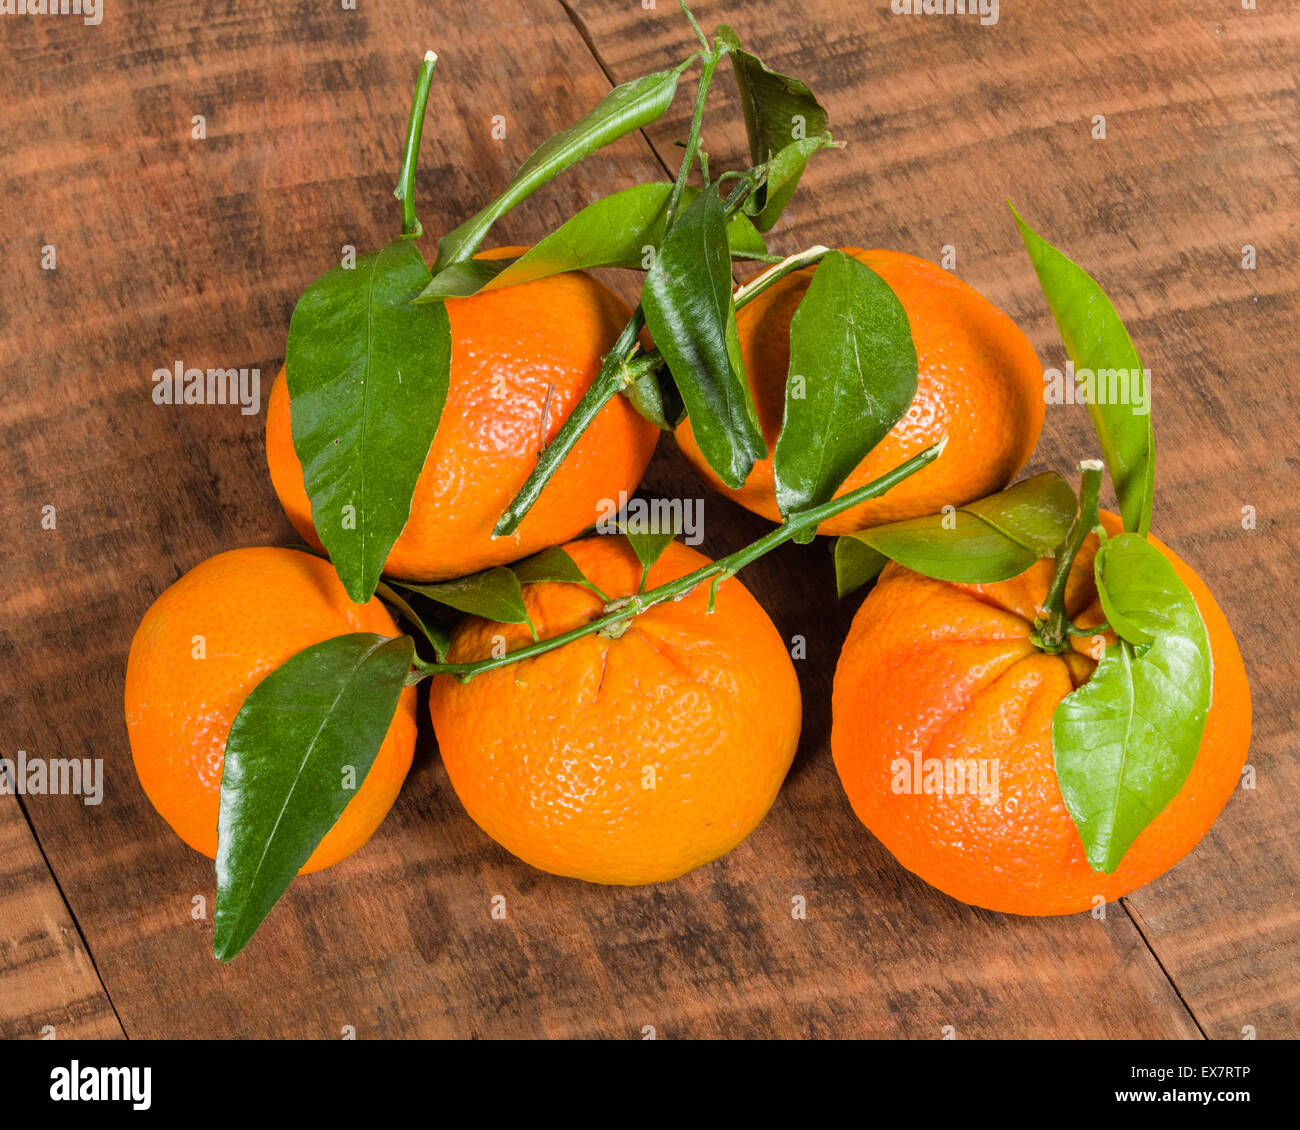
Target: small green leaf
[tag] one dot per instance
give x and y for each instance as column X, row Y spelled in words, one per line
column 367, row 375
column 1123, row 626
column 655, row 396
column 1095, row 339
column 301, row 730
column 688, row 307
column 852, row 376
column 648, row 545
column 438, row 636
column 623, row 110
column 1126, row 740
column 994, row 539
column 493, row 594
column 552, row 564
column 856, row 563
column 782, row 116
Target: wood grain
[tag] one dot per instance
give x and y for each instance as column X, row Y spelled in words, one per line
column 172, row 248
column 48, row 986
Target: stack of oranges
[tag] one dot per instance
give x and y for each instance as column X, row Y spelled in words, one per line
column 633, row 757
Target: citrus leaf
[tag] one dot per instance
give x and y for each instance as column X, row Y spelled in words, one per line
column 655, row 396
column 852, row 376
column 783, row 173
column 299, row 748
column 493, row 594
column 1095, row 339
column 1126, row 740
column 623, row 110
column 552, row 564
column 648, row 545
column 781, row 116
column 688, row 308
column 367, row 375
column 460, row 280
column 438, row 636
column 994, row 539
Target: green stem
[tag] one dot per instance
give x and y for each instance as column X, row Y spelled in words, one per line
column 1054, row 625
column 608, row 383
column 711, row 61
column 405, row 191
column 622, row 610
column 760, row 283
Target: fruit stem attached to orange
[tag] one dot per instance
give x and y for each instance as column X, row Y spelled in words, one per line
column 619, row 612
column 405, row 191
column 1053, row 629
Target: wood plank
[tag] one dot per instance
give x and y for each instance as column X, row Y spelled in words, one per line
column 48, row 985
column 172, row 248
column 943, row 121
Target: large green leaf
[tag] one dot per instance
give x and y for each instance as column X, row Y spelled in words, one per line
column 1126, row 740
column 782, row 117
column 615, row 231
column 688, row 307
column 624, row 109
column 367, row 375
column 298, row 751
column 1095, row 339
column 993, row 539
column 852, row 376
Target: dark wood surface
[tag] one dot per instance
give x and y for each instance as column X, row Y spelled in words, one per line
column 170, row 248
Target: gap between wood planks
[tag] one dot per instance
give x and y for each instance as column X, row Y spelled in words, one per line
column 589, row 40
column 72, row 915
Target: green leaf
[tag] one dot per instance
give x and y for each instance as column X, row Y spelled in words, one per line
column 623, row 110
column 783, row 117
column 438, row 636
column 994, row 539
column 1126, row 740
column 493, row 594
column 648, row 545
column 688, row 307
column 367, row 375
column 852, row 376
column 1095, row 339
column 551, row 564
column 301, row 730
column 460, row 280
column 655, row 396
column 615, row 231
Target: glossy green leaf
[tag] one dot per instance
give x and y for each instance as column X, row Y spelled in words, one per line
column 460, row 280
column 1096, row 340
column 648, row 544
column 1126, row 740
column 852, row 376
column 623, row 110
column 551, row 564
column 782, row 116
column 993, row 539
column 655, row 396
column 367, row 375
column 493, row 594
column 688, row 307
column 298, row 750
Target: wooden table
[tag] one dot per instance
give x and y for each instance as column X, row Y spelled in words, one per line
column 174, row 248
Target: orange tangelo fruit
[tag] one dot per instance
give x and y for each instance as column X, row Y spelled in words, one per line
column 946, row 674
column 205, row 643
column 521, row 358
column 978, row 382
column 622, row 760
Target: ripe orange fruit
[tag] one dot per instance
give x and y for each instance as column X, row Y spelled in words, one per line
column 978, row 381
column 948, row 672
column 521, row 358
column 628, row 760
column 206, row 642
